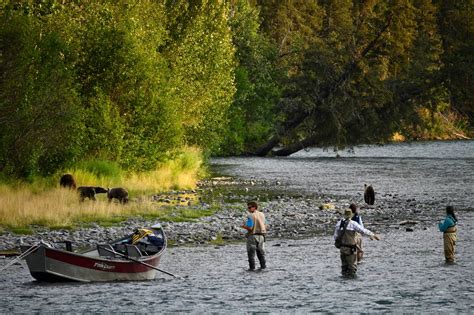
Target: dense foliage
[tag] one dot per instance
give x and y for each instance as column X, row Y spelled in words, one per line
column 367, row 69
column 134, row 82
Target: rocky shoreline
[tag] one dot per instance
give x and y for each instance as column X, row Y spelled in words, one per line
column 289, row 214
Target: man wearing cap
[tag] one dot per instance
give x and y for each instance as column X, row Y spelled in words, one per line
column 256, row 230
column 346, row 229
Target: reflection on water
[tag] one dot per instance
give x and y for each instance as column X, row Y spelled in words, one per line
column 405, row 272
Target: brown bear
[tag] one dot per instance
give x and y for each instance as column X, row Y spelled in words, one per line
column 100, row 190
column 369, row 194
column 118, row 193
column 67, row 181
column 89, row 192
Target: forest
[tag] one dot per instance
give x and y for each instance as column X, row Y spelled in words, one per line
column 138, row 82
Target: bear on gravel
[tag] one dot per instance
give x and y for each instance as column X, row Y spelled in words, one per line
column 369, row 194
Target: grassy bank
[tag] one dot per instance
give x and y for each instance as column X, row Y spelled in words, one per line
column 436, row 125
column 42, row 203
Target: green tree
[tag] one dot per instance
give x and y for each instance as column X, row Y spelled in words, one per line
column 201, row 59
column 456, row 24
column 251, row 116
column 374, row 65
column 124, row 80
column 40, row 118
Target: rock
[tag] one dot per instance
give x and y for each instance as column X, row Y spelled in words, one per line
column 291, row 215
column 327, row 206
column 408, row 222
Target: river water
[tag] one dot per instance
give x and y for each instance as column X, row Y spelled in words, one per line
column 422, row 171
column 405, row 272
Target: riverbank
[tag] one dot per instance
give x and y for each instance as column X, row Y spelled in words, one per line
column 290, row 215
column 404, row 272
column 44, row 201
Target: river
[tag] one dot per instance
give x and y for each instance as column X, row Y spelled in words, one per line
column 403, row 273
column 423, row 171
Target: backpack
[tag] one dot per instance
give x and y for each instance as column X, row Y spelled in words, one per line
column 343, row 226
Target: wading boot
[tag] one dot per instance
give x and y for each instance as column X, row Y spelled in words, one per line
column 261, row 259
column 251, row 265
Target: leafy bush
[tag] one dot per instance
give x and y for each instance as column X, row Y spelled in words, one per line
column 101, row 168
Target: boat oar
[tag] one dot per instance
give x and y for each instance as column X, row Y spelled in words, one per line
column 23, row 255
column 141, row 262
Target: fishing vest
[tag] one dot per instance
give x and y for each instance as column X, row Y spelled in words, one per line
column 356, row 218
column 349, row 237
column 258, row 219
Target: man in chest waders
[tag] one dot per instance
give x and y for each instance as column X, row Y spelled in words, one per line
column 256, row 230
column 346, row 230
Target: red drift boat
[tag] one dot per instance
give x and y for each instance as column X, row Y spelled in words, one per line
column 135, row 257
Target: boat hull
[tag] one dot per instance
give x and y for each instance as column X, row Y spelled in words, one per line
column 56, row 265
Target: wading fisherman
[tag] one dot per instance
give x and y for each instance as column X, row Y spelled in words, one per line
column 448, row 227
column 346, row 230
column 357, row 218
column 256, row 230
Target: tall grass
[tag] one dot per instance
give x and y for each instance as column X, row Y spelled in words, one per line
column 43, row 203
column 180, row 173
column 58, row 207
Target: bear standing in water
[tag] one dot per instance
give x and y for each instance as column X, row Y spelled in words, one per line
column 67, row 181
column 369, row 194
column 118, row 193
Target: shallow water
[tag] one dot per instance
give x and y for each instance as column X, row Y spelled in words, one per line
column 405, row 272
column 405, row 275
column 424, row 171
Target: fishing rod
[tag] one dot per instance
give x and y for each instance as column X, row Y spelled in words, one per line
column 141, row 262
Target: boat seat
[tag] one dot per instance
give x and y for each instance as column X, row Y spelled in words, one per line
column 152, row 249
column 133, row 251
column 148, row 249
column 120, row 248
column 101, row 248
